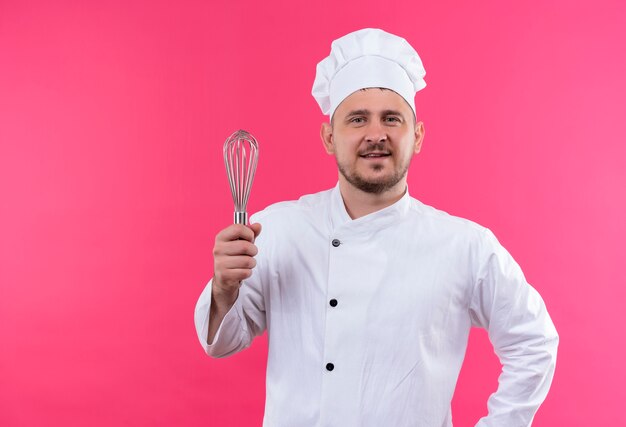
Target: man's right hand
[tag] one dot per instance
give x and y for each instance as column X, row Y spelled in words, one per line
column 233, row 261
column 233, row 256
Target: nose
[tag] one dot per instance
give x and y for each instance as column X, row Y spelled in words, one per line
column 375, row 132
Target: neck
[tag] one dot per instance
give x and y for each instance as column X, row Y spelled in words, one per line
column 358, row 203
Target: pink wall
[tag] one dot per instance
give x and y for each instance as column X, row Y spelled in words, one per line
column 112, row 117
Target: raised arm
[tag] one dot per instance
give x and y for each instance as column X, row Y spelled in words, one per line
column 224, row 309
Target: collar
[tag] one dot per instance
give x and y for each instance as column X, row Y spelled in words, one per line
column 341, row 221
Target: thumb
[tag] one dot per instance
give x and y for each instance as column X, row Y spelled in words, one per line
column 256, row 228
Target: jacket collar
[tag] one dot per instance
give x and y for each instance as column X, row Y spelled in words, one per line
column 341, row 221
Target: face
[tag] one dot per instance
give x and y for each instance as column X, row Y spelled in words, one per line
column 373, row 137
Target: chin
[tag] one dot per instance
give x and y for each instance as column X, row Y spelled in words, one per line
column 375, row 185
column 374, row 180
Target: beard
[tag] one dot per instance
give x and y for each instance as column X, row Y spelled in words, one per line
column 376, row 185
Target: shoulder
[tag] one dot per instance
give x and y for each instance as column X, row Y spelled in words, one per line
column 460, row 232
column 455, row 234
column 443, row 221
column 439, row 227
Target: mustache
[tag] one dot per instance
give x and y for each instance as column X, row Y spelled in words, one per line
column 375, row 147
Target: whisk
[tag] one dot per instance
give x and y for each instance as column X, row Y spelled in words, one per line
column 241, row 153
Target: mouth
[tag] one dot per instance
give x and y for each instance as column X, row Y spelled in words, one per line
column 375, row 155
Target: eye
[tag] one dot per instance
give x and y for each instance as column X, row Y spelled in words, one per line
column 392, row 119
column 357, row 120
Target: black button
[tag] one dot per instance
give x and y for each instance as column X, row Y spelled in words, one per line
column 330, row 366
column 333, row 302
column 336, row 242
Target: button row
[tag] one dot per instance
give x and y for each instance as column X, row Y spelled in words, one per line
column 333, row 303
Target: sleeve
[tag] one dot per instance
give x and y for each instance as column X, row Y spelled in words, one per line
column 244, row 321
column 522, row 333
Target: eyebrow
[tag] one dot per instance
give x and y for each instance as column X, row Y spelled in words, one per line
column 365, row 112
column 358, row 113
column 392, row 113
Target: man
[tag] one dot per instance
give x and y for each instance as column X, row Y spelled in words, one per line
column 368, row 295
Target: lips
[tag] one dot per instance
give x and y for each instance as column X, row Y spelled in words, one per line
column 375, row 154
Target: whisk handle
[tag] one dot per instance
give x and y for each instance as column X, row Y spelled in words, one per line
column 241, row 218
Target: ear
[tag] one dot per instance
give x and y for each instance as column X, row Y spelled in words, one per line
column 419, row 137
column 326, row 133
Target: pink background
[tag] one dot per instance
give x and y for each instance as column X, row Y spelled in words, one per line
column 112, row 186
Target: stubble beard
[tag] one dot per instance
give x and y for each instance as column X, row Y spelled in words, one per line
column 373, row 186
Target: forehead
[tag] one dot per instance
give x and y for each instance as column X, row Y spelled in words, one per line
column 373, row 100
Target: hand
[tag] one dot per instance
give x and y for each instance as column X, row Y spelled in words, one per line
column 233, row 260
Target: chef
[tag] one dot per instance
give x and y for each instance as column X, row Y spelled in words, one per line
column 368, row 295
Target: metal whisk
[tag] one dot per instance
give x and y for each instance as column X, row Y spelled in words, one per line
column 241, row 153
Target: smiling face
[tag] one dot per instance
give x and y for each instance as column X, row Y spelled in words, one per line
column 373, row 137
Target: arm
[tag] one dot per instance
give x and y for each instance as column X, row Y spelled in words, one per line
column 229, row 312
column 221, row 303
column 522, row 333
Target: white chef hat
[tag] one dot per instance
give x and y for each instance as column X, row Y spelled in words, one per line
column 367, row 58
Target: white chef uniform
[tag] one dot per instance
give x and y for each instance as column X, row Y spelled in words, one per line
column 368, row 319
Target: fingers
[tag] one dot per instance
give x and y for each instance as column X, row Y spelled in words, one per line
column 239, row 231
column 237, row 239
column 233, row 256
column 235, row 247
column 241, row 262
column 256, row 228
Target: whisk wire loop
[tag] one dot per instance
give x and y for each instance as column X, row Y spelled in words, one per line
column 241, row 154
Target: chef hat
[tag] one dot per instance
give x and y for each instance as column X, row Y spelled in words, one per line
column 367, row 58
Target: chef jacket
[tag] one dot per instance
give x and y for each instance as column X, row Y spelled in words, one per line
column 368, row 319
